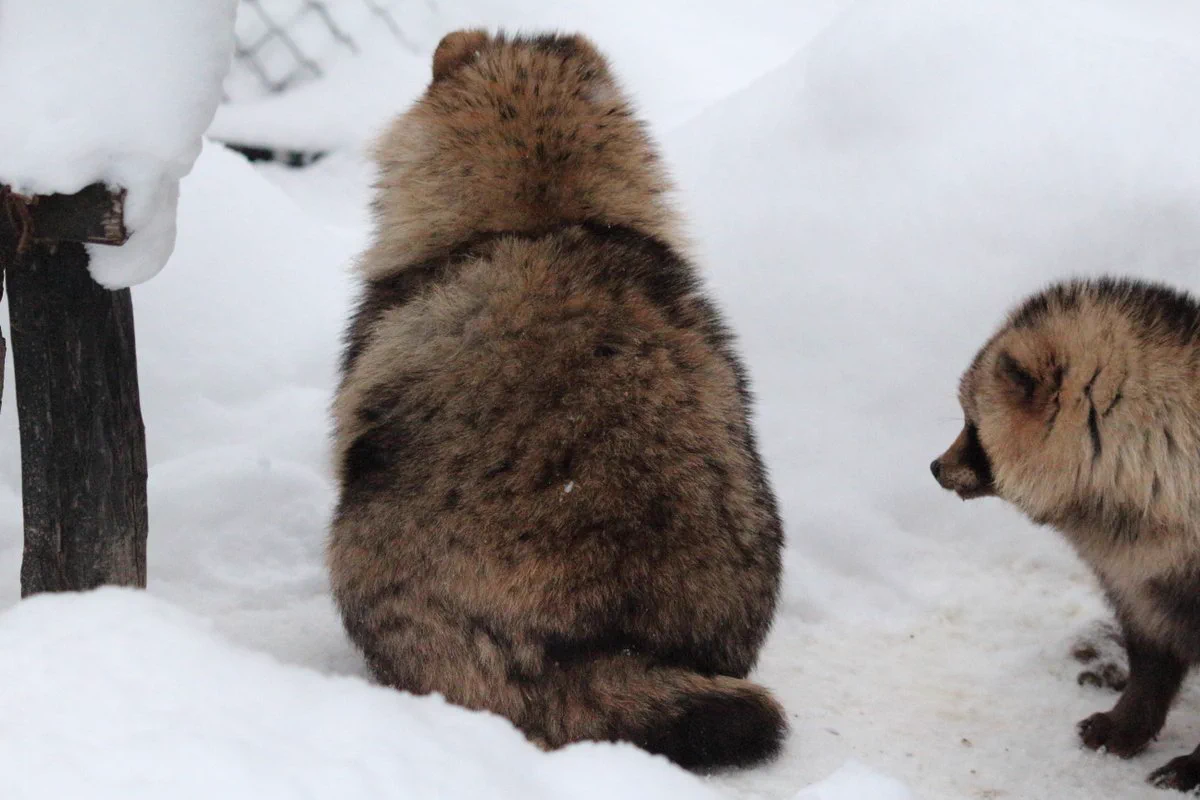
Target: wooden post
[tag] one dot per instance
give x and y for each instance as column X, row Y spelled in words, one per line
column 83, row 446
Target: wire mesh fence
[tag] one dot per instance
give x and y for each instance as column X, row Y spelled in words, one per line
column 282, row 43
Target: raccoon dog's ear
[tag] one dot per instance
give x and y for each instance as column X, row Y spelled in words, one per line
column 455, row 50
column 1024, row 385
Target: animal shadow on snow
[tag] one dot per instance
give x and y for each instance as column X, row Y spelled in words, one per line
column 1100, row 648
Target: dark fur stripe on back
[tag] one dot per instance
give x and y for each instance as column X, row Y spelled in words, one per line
column 1155, row 308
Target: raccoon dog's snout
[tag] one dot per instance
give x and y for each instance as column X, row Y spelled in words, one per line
column 964, row 468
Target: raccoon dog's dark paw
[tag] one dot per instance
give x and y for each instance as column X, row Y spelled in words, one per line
column 1114, row 734
column 1182, row 774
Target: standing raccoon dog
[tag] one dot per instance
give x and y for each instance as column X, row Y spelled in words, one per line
column 1084, row 412
column 552, row 506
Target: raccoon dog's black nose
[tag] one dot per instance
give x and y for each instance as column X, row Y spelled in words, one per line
column 936, row 469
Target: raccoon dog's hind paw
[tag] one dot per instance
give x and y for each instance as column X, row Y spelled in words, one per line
column 1181, row 774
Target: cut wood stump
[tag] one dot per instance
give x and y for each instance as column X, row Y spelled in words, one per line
column 83, row 444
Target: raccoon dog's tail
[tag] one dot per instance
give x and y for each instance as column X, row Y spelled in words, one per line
column 695, row 720
column 559, row 695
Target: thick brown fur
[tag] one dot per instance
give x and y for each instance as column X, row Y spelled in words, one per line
column 1084, row 412
column 552, row 505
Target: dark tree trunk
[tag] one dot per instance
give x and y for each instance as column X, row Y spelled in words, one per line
column 83, row 448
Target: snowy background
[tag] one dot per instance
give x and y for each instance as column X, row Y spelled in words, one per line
column 869, row 185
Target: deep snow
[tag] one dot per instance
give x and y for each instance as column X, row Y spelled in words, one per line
column 162, row 708
column 866, row 208
column 119, row 92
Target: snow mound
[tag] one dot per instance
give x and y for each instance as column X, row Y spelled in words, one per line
column 856, row 782
column 237, row 350
column 119, row 92
column 123, row 695
column 884, row 198
column 356, row 98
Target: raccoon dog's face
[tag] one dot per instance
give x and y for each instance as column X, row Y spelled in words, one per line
column 1081, row 409
column 1010, row 397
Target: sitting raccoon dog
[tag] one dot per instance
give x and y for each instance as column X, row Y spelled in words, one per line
column 551, row 502
column 1084, row 412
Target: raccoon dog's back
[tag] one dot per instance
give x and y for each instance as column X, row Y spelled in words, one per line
column 552, row 506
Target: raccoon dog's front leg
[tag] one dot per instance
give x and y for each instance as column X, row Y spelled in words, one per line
column 1155, row 675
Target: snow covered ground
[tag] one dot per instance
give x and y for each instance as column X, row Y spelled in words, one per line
column 869, row 185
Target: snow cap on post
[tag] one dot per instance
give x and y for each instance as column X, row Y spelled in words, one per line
column 122, row 95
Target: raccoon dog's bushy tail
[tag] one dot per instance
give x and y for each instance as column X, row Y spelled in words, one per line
column 697, row 721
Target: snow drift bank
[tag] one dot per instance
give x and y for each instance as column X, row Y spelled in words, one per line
column 118, row 92
column 856, row 782
column 121, row 695
column 868, row 213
